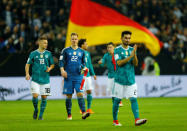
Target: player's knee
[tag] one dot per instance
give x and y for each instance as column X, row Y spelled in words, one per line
column 79, row 94
column 44, row 97
column 69, row 96
column 35, row 95
column 89, row 92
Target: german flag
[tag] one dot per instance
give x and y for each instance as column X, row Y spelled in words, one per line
column 100, row 24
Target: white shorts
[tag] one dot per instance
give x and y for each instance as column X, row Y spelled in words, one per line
column 124, row 91
column 110, row 86
column 41, row 89
column 88, row 84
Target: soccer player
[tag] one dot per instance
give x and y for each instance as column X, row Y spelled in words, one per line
column 72, row 61
column 108, row 59
column 88, row 82
column 124, row 81
column 42, row 63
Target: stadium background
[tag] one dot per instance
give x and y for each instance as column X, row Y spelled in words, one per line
column 22, row 21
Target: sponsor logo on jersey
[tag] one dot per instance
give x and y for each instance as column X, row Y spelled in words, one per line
column 74, row 53
column 41, row 56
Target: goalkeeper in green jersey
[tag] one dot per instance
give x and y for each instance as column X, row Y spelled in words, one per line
column 124, row 81
column 42, row 63
column 88, row 86
column 109, row 61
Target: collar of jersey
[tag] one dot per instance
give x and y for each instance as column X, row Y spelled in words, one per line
column 40, row 52
column 124, row 48
column 74, row 49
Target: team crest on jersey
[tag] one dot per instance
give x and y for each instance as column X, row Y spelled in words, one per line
column 61, row 57
column 41, row 56
column 69, row 53
column 74, row 53
column 79, row 54
column 126, row 53
column 36, row 56
column 46, row 56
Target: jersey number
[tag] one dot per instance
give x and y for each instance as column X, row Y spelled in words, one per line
column 74, row 58
column 41, row 61
column 135, row 92
column 47, row 90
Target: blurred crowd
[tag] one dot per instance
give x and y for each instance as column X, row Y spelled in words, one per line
column 22, row 21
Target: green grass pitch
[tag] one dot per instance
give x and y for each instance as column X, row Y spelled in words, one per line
column 163, row 114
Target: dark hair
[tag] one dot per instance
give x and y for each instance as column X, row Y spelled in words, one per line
column 110, row 43
column 42, row 37
column 81, row 42
column 126, row 32
column 74, row 34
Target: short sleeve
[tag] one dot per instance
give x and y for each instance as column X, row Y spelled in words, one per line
column 51, row 59
column 30, row 59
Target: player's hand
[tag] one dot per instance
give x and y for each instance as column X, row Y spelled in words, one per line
column 135, row 48
column 84, row 69
column 100, row 62
column 48, row 69
column 95, row 78
column 27, row 77
column 132, row 54
column 64, row 74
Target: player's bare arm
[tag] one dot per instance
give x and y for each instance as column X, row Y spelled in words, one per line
column 63, row 72
column 50, row 68
column 27, row 76
column 124, row 61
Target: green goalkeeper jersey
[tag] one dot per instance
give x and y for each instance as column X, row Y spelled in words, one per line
column 40, row 61
column 89, row 65
column 107, row 59
column 125, row 75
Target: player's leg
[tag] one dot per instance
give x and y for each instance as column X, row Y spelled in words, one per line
column 68, row 90
column 131, row 92
column 89, row 101
column 110, row 87
column 42, row 106
column 118, row 95
column 69, row 105
column 80, row 99
column 35, row 92
column 44, row 91
column 89, row 88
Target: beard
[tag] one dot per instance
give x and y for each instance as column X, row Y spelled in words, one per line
column 125, row 43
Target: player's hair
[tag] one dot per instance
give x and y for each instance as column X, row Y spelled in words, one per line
column 110, row 43
column 81, row 42
column 125, row 33
column 74, row 34
column 42, row 37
